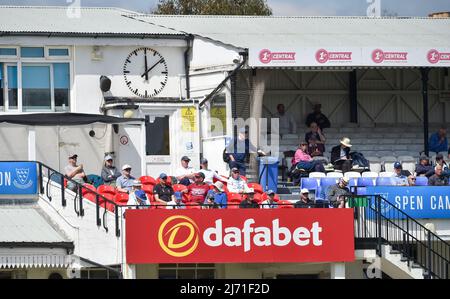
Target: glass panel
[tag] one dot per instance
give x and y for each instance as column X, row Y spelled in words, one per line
column 98, row 274
column 2, row 88
column 36, row 88
column 58, row 52
column 167, row 274
column 157, row 136
column 218, row 116
column 61, row 81
column 186, row 274
column 12, row 87
column 32, row 52
column 205, row 274
column 8, row 52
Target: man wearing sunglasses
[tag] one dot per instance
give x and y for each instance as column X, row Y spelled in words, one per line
column 199, row 189
column 124, row 183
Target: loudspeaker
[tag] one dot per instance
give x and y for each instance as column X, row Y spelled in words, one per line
column 105, row 83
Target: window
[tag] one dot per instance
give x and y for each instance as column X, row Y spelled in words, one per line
column 58, row 52
column 218, row 116
column 98, row 273
column 157, row 135
column 8, row 52
column 32, row 52
column 8, row 86
column 61, row 75
column 187, row 271
column 36, row 89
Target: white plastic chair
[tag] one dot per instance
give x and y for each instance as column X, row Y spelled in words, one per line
column 335, row 175
column 352, row 174
column 386, row 174
column 369, row 174
column 317, row 175
column 410, row 166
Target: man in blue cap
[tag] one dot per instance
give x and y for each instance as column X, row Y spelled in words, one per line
column 401, row 175
column 137, row 195
column 163, row 192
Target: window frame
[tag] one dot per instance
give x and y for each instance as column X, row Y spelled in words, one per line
column 5, row 92
column 10, row 57
column 53, row 57
column 195, row 268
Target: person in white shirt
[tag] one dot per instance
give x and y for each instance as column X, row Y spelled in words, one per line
column 185, row 173
column 269, row 203
column 210, row 175
column 137, row 196
column 235, row 183
column 287, row 123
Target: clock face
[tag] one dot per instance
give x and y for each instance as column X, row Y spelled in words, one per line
column 145, row 72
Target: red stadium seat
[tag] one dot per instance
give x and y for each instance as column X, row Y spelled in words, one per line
column 88, row 188
column 257, row 187
column 234, row 199
column 285, row 204
column 121, row 198
column 105, row 189
column 258, row 197
column 147, row 180
column 90, row 196
column 109, row 196
column 244, row 178
column 179, row 188
column 148, row 188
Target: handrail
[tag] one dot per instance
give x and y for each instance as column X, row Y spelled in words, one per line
column 377, row 218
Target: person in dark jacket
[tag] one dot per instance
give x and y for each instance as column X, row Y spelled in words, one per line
column 109, row 173
column 438, row 179
column 424, row 167
column 340, row 155
column 249, row 202
column 336, row 193
column 318, row 117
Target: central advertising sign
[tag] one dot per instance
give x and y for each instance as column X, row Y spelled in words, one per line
column 239, row 236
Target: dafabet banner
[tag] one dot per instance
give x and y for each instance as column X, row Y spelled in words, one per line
column 239, row 236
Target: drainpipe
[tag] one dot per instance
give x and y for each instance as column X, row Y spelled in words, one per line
column 424, row 72
column 189, row 39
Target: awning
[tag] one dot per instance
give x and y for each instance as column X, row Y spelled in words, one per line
column 35, row 261
column 63, row 119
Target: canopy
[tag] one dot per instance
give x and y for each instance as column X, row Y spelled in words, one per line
column 63, row 119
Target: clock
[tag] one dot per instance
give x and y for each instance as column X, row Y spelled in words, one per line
column 145, row 72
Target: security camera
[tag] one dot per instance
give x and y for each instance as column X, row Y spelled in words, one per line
column 237, row 59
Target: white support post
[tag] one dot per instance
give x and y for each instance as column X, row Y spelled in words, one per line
column 32, row 143
column 143, row 153
column 129, row 271
column 337, row 270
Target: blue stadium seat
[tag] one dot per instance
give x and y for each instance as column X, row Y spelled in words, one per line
column 365, row 182
column 324, row 184
column 421, row 181
column 310, row 183
column 386, row 181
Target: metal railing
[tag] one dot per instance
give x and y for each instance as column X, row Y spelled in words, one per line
column 53, row 175
column 379, row 220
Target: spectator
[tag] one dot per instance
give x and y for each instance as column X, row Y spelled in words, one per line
column 340, row 156
column 235, row 183
column 316, row 140
column 318, row 117
column 411, row 180
column 287, row 123
column 438, row 179
column 438, row 141
column 198, row 190
column 302, row 160
column 424, row 166
column 249, row 201
column 110, row 173
column 74, row 172
column 185, row 173
column 137, row 195
column 217, row 197
column 163, row 192
column 269, row 203
column 176, row 202
column 210, row 175
column 125, row 181
column 239, row 150
column 401, row 175
column 336, row 193
column 304, row 201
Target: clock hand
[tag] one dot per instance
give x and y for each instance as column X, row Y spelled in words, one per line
column 147, row 71
column 146, row 74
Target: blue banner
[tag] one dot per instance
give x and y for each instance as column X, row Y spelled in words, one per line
column 18, row 178
column 416, row 202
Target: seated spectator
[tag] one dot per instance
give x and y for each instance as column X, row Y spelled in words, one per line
column 438, row 141
column 302, row 160
column 269, row 203
column 401, row 175
column 210, row 175
column 216, row 198
column 340, row 156
column 318, row 117
column 304, row 201
column 424, row 167
column 125, row 181
column 287, row 123
column 109, row 173
column 137, row 195
column 163, row 192
column 336, row 194
column 177, row 203
column 249, row 201
column 411, row 180
column 185, row 173
column 198, row 190
column 438, row 179
column 74, row 172
column 235, row 183
column 316, row 140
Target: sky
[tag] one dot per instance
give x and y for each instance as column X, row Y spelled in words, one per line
column 279, row 7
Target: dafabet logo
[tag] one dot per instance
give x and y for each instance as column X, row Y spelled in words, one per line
column 178, row 236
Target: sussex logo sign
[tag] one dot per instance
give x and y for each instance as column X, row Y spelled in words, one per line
column 223, row 236
column 18, row 178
